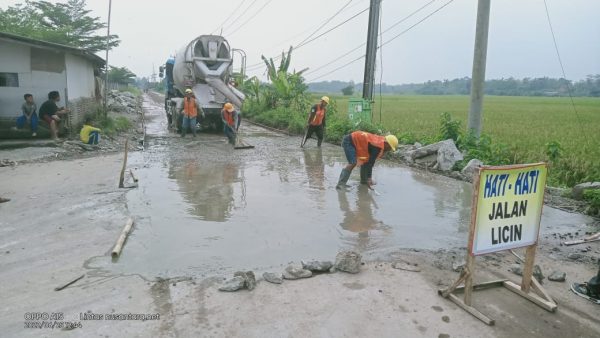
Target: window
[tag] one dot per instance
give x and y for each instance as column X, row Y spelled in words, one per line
column 46, row 60
column 9, row 79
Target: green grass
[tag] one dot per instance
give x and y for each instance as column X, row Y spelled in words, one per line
column 524, row 124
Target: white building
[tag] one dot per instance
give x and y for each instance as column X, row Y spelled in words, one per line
column 38, row 67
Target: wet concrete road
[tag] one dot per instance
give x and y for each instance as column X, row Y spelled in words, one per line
column 204, row 209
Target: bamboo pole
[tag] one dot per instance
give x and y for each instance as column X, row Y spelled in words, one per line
column 122, row 178
column 116, row 251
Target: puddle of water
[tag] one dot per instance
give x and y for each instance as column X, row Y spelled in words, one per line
column 204, row 209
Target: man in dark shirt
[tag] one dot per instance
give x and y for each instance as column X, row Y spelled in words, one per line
column 51, row 113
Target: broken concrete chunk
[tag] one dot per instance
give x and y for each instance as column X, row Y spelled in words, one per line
column 317, row 266
column 234, row 284
column 471, row 167
column 348, row 261
column 557, row 276
column 249, row 279
column 580, row 188
column 296, row 272
column 273, row 277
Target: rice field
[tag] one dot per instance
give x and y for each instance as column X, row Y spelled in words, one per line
column 526, row 124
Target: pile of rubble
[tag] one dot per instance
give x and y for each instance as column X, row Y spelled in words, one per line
column 121, row 102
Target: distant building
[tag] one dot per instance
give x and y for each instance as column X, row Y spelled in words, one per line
column 38, row 67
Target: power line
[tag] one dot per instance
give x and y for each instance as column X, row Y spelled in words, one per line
column 243, row 12
column 364, row 43
column 385, row 43
column 325, row 22
column 563, row 72
column 305, row 42
column 229, row 17
column 250, row 18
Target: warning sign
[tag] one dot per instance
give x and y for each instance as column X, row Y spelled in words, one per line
column 508, row 207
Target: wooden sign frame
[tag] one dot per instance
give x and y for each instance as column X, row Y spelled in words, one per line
column 539, row 296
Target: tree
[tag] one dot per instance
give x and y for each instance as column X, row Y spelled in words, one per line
column 64, row 23
column 121, row 75
column 287, row 89
column 349, row 89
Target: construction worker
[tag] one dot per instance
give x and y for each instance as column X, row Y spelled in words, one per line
column 316, row 120
column 363, row 149
column 190, row 109
column 230, row 122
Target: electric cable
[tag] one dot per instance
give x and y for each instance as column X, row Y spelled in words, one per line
column 250, row 18
column 260, row 64
column 364, row 43
column 388, row 41
column 229, row 17
column 564, row 74
column 243, row 12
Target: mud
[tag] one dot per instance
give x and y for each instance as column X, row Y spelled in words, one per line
column 227, row 210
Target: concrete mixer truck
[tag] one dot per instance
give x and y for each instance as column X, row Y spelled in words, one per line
column 204, row 65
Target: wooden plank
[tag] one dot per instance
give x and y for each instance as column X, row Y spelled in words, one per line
column 445, row 292
column 484, row 285
column 541, row 291
column 468, row 289
column 528, row 268
column 473, row 311
column 116, row 251
column 544, row 304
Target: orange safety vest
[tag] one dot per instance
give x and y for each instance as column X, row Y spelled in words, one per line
column 319, row 115
column 189, row 107
column 361, row 141
column 228, row 116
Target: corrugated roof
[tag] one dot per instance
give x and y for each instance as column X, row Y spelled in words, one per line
column 79, row 51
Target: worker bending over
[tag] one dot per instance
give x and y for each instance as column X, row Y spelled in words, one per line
column 363, row 149
column 230, row 122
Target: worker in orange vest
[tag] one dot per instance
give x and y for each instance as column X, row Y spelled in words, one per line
column 363, row 149
column 316, row 120
column 230, row 122
column 190, row 109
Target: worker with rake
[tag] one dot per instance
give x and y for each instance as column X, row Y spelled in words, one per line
column 316, row 121
column 230, row 122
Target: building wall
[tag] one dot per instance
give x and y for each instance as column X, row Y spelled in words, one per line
column 41, row 70
column 17, row 58
column 80, row 77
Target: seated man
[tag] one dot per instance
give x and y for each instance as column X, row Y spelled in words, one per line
column 51, row 113
column 29, row 115
column 89, row 134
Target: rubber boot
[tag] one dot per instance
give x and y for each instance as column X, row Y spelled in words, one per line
column 319, row 141
column 363, row 175
column 344, row 177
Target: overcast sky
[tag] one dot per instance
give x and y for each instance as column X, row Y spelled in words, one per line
column 441, row 47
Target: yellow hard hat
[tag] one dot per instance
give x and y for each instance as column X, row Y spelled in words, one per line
column 392, row 141
column 228, row 107
column 326, row 99
column 187, row 91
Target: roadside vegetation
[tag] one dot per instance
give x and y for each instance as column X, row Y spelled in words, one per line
column 516, row 129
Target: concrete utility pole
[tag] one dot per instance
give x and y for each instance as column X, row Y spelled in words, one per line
column 479, row 59
column 369, row 79
column 107, row 43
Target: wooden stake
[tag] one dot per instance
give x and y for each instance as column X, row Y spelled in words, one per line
column 122, row 178
column 528, row 268
column 116, row 251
